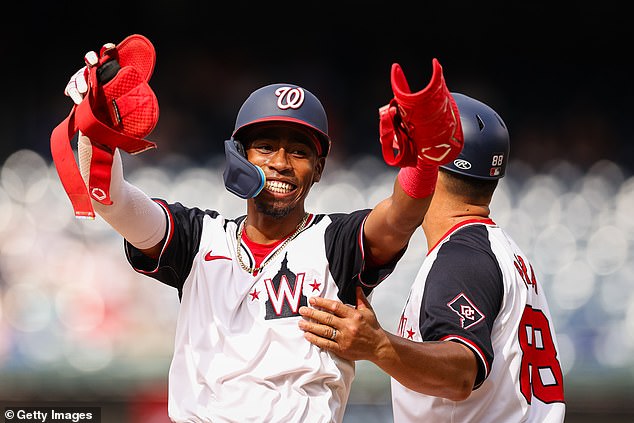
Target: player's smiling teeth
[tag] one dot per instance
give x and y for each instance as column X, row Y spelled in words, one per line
column 278, row 186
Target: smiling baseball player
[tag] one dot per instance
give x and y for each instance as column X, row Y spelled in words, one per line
column 238, row 354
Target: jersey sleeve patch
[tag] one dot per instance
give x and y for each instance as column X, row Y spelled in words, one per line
column 468, row 313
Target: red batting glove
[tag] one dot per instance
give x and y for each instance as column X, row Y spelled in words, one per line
column 422, row 126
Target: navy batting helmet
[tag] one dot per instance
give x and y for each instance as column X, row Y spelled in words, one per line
column 272, row 103
column 285, row 103
column 486, row 141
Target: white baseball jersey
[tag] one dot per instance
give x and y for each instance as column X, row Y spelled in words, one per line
column 478, row 288
column 239, row 355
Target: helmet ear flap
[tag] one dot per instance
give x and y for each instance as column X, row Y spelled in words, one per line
column 241, row 177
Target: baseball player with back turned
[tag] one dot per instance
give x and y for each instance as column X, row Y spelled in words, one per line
column 476, row 341
column 239, row 355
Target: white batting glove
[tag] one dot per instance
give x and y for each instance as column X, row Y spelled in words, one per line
column 77, row 86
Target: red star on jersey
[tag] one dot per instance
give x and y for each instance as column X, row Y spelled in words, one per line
column 315, row 285
column 410, row 334
column 255, row 294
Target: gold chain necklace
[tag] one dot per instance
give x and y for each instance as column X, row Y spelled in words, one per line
column 253, row 270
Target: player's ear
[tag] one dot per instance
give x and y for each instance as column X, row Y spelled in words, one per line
column 319, row 168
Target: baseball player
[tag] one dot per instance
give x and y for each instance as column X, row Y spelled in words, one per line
column 238, row 354
column 475, row 341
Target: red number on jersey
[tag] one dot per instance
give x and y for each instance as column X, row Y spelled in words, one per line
column 540, row 373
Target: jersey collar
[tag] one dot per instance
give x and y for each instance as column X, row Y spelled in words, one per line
column 487, row 221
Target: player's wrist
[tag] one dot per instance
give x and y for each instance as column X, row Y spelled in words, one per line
column 418, row 181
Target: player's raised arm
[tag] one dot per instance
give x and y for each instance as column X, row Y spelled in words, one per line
column 133, row 214
column 107, row 93
column 418, row 132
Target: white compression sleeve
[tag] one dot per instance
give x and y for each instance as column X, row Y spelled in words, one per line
column 133, row 214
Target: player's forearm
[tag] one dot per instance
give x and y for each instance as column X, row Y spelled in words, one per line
column 136, row 217
column 391, row 224
column 442, row 369
column 132, row 213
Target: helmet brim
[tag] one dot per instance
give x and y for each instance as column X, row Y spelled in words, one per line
column 320, row 139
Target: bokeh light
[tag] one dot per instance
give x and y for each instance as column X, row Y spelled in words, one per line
column 69, row 299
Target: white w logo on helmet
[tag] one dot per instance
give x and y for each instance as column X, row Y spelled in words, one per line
column 289, row 98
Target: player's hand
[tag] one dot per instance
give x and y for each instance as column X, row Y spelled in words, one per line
column 351, row 333
column 77, row 86
column 422, row 126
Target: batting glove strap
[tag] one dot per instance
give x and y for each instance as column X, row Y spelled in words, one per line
column 134, row 215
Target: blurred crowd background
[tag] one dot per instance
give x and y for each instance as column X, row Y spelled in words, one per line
column 77, row 325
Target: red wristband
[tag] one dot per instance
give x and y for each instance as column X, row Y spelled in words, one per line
column 418, row 181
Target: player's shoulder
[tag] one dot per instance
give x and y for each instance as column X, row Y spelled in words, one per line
column 343, row 217
column 181, row 215
column 470, row 241
column 470, row 234
column 181, row 209
column 341, row 225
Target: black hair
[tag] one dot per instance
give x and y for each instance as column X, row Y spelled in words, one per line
column 474, row 189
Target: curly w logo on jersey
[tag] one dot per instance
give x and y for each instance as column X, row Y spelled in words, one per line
column 463, row 307
column 285, row 293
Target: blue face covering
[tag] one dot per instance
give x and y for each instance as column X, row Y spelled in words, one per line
column 241, row 177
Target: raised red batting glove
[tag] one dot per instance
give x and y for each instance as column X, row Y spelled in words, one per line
column 115, row 108
column 420, row 127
